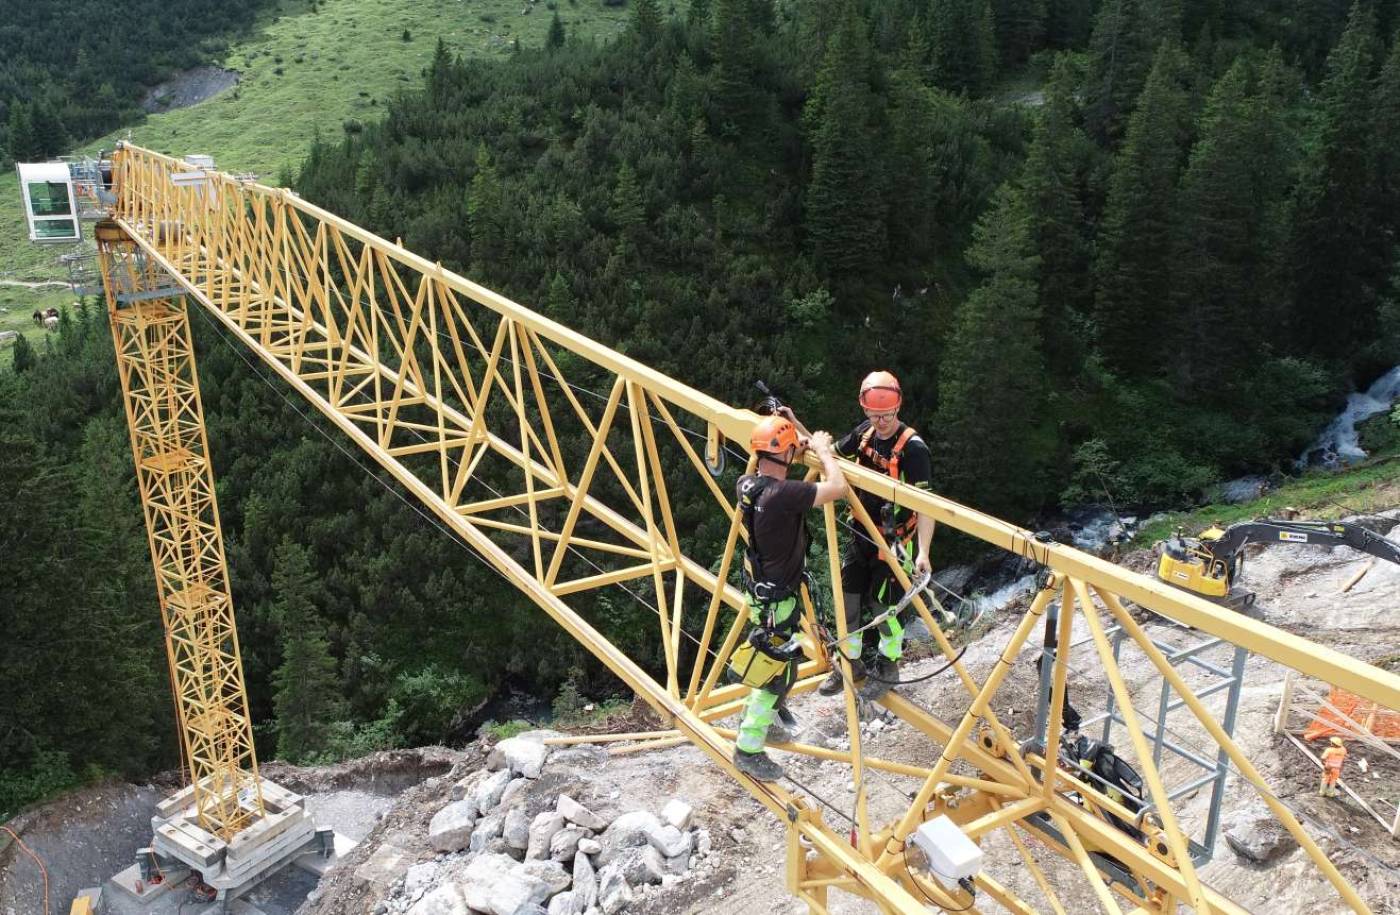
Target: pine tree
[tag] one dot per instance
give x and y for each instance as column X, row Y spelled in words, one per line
column 845, row 219
column 628, row 212
column 736, row 55
column 486, row 211
column 1227, row 238
column 24, row 355
column 307, row 699
column 1120, row 55
column 1134, row 266
column 1020, row 28
column 1386, row 139
column 646, row 20
column 1068, row 23
column 963, row 44
column 988, row 449
column 19, row 129
column 555, row 39
column 1340, row 257
column 1050, row 186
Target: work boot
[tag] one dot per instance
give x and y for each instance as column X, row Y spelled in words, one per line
column 882, row 679
column 832, row 684
column 758, row 765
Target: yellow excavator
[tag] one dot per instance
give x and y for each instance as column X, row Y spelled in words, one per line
column 1211, row 563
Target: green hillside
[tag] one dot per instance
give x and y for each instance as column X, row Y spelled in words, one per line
column 315, row 66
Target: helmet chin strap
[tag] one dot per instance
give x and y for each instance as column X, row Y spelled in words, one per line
column 769, row 456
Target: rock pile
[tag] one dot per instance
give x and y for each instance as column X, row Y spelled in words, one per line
column 507, row 845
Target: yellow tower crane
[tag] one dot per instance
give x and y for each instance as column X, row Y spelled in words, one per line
column 448, row 385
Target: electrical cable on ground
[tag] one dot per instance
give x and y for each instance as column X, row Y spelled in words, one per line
column 43, row 870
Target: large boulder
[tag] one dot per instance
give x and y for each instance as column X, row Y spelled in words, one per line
column 627, row 831
column 489, row 828
column 641, row 865
column 542, row 830
column 496, row 884
column 575, row 812
column 451, row 827
column 564, row 843
column 1256, row 835
column 514, row 791
column 613, row 892
column 445, row 900
column 551, row 873
column 566, row 904
column 677, row 813
column 419, row 879
column 670, row 841
column 521, row 755
column 585, row 881
column 516, row 828
column 489, row 790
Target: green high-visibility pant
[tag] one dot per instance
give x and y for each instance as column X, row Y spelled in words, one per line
column 761, row 707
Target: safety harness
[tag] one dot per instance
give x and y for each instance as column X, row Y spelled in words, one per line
column 772, row 645
column 894, row 530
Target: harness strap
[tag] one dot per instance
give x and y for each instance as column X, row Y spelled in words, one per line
column 890, row 465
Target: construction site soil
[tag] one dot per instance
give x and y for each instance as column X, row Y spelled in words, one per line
column 389, row 798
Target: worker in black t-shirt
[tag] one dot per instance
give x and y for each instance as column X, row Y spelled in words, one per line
column 886, row 445
column 773, row 510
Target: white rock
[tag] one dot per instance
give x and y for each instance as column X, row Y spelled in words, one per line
column 703, row 842
column 451, row 827
column 387, row 864
column 521, row 755
column 589, row 846
column 670, row 841
column 675, row 866
column 564, row 843
column 542, row 829
column 613, row 892
column 493, row 883
column 514, row 790
column 419, row 880
column 445, row 900
column 677, row 813
column 575, row 812
column 489, row 828
column 551, row 873
column 488, row 792
column 641, row 865
column 467, row 786
column 516, row 828
column 585, row 880
column 627, row 831
column 566, row 904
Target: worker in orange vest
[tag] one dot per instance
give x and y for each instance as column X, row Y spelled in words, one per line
column 1332, row 759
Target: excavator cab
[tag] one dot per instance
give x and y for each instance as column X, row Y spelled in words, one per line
column 1190, row 563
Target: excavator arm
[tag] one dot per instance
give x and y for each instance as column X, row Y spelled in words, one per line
column 1211, row 564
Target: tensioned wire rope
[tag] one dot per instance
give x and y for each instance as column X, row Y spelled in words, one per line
column 339, row 446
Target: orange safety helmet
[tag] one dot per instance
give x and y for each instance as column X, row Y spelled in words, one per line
column 773, row 435
column 880, row 391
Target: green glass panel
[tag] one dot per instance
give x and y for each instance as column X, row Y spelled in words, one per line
column 55, row 228
column 49, row 198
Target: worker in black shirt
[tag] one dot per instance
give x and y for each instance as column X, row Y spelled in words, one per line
column 888, row 446
column 773, row 508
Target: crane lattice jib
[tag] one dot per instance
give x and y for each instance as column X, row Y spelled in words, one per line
column 464, row 397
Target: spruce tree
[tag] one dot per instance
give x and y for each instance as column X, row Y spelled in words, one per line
column 646, row 19
column 1134, row 265
column 735, row 50
column 1227, row 239
column 486, row 212
column 1068, row 23
column 845, row 219
column 962, row 44
column 1051, row 187
column 307, row 696
column 988, row 447
column 1340, row 257
column 1120, row 55
column 555, row 39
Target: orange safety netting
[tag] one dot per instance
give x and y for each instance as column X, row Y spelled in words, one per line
column 1345, row 714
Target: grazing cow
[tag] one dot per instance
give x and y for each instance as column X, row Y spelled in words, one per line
column 38, row 317
column 51, row 322
column 50, row 313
